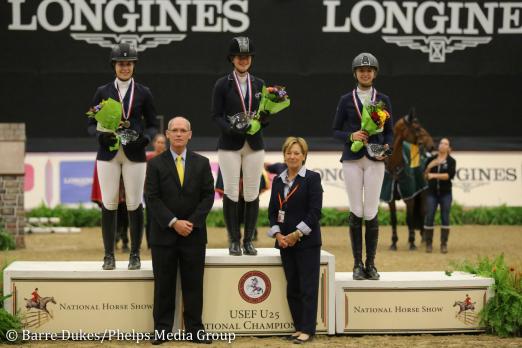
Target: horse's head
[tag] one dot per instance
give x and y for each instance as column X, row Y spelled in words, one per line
column 410, row 129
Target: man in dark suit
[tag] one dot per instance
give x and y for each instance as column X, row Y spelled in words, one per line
column 180, row 193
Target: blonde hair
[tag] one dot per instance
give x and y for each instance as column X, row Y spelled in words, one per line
column 290, row 141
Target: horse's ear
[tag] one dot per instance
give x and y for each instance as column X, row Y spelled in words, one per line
column 411, row 115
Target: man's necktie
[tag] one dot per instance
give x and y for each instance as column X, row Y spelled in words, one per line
column 179, row 167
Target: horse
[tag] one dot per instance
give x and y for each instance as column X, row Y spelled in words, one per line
column 404, row 177
column 463, row 306
column 41, row 305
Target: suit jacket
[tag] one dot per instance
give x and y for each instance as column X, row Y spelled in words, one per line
column 347, row 121
column 166, row 198
column 142, row 119
column 303, row 206
column 226, row 102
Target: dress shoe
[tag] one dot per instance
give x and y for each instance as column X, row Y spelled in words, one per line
column 302, row 338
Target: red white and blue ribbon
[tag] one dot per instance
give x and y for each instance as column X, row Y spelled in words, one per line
column 355, row 97
column 249, row 91
column 126, row 115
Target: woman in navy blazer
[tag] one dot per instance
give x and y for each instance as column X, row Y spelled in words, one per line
column 294, row 212
column 363, row 174
column 240, row 151
column 128, row 161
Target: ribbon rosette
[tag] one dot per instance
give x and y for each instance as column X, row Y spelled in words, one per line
column 373, row 117
column 108, row 114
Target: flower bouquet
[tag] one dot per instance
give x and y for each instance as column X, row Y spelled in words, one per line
column 373, row 117
column 108, row 114
column 273, row 99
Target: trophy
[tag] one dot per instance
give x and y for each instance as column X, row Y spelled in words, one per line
column 241, row 120
column 377, row 150
column 126, row 135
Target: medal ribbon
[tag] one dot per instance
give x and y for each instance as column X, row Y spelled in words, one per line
column 126, row 115
column 281, row 202
column 249, row 91
column 354, row 96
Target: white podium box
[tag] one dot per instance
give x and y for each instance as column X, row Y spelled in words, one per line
column 410, row 302
column 247, row 294
column 242, row 294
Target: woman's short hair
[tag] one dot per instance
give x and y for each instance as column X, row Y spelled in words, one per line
column 290, row 141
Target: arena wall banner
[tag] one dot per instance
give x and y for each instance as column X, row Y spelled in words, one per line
column 482, row 178
column 455, row 61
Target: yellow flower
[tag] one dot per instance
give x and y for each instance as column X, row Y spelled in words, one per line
column 381, row 113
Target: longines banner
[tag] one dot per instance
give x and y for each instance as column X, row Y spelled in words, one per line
column 458, row 62
column 482, row 178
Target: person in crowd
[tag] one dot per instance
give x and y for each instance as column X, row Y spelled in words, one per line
column 294, row 212
column 180, row 193
column 240, row 150
column 159, row 144
column 363, row 174
column 128, row 161
column 439, row 172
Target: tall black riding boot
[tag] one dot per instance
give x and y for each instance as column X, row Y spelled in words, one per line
column 444, row 234
column 371, row 238
column 355, row 224
column 411, row 239
column 136, row 235
column 251, row 213
column 428, row 236
column 230, row 212
column 122, row 227
column 109, row 218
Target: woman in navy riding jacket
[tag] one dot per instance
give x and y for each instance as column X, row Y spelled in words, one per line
column 363, row 174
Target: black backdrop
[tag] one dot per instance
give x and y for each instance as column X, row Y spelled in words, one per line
column 47, row 78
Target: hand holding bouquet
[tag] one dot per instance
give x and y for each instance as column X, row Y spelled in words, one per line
column 273, row 100
column 373, row 117
column 108, row 114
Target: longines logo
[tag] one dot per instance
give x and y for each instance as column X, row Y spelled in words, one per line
column 433, row 27
column 145, row 23
column 468, row 178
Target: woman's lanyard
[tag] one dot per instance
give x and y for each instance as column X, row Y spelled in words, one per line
column 355, row 98
column 240, row 92
column 126, row 114
column 281, row 213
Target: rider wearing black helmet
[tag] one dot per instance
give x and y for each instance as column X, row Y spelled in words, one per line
column 128, row 160
column 363, row 173
column 240, row 150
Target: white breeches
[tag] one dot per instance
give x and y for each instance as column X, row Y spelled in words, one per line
column 133, row 173
column 248, row 161
column 363, row 180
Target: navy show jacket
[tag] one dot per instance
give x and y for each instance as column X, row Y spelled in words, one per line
column 347, row 121
column 142, row 119
column 303, row 206
column 226, row 102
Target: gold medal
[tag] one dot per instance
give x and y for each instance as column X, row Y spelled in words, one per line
column 126, row 124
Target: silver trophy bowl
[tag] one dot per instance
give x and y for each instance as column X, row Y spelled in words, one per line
column 377, row 150
column 241, row 120
column 127, row 135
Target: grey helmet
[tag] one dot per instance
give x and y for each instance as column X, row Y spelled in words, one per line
column 124, row 52
column 365, row 59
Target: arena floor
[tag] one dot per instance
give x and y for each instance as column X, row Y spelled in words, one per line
column 465, row 242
